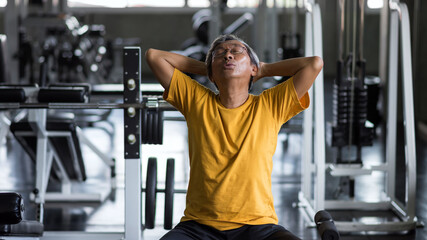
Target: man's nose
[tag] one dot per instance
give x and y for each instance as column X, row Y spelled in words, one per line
column 228, row 55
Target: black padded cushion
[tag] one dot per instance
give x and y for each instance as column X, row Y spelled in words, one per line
column 11, row 208
column 62, row 95
column 12, row 95
column 24, row 228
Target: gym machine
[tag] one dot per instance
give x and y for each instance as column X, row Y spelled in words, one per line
column 47, row 45
column 53, row 140
column 136, row 108
column 351, row 112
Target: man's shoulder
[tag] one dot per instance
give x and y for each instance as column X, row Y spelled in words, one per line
column 196, row 87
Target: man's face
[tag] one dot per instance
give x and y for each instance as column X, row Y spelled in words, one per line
column 231, row 64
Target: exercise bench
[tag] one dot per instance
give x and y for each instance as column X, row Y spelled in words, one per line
column 12, row 225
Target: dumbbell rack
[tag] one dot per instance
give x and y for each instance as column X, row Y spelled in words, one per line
column 312, row 195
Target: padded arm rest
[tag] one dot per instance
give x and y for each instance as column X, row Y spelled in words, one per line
column 11, row 208
column 78, row 95
column 12, row 95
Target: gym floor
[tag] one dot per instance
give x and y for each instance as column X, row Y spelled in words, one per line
column 17, row 172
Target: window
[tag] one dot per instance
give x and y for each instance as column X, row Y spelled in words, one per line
column 180, row 3
column 198, row 3
column 375, row 4
column 126, row 3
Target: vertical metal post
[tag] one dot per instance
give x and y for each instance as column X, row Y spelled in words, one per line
column 392, row 105
column 361, row 28
column 384, row 21
column 319, row 147
column 341, row 4
column 262, row 31
column 12, row 33
column 308, row 117
column 37, row 119
column 408, row 108
column 273, row 32
column 215, row 23
column 63, row 6
column 132, row 141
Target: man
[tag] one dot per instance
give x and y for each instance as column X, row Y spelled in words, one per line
column 232, row 136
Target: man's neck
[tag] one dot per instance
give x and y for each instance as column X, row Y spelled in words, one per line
column 230, row 99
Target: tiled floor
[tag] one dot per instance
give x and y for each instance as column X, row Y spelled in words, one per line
column 17, row 174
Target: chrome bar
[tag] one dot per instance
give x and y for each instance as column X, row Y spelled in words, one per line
column 319, row 147
column 408, row 106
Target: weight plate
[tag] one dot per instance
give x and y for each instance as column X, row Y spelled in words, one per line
column 154, row 127
column 150, row 128
column 169, row 193
column 160, row 128
column 144, row 129
column 150, row 193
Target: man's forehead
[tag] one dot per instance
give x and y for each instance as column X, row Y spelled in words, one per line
column 230, row 43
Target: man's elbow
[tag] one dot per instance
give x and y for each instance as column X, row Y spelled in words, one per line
column 149, row 54
column 317, row 63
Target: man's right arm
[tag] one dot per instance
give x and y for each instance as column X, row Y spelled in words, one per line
column 163, row 63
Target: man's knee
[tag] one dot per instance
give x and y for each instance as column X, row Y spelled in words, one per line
column 282, row 234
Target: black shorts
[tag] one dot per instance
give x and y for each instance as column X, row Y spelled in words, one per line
column 190, row 230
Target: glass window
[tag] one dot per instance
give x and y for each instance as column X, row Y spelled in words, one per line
column 375, row 4
column 96, row 3
column 198, row 3
column 242, row 3
column 289, row 3
column 156, row 3
column 126, row 3
column 181, row 3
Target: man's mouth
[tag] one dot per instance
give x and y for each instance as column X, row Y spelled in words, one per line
column 229, row 65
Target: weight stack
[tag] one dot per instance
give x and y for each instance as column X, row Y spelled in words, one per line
column 343, row 114
column 362, row 134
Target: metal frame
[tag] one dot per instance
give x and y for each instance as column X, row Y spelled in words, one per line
column 132, row 147
column 312, row 198
column 45, row 153
column 132, row 136
column 313, row 46
column 4, row 130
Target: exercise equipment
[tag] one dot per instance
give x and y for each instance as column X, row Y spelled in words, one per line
column 52, row 140
column 12, row 223
column 63, row 50
column 312, row 196
column 151, row 191
column 325, row 226
column 29, row 97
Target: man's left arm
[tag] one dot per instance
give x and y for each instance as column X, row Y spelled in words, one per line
column 304, row 71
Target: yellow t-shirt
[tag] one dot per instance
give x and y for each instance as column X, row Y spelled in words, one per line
column 231, row 151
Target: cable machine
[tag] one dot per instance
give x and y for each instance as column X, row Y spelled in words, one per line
column 351, row 131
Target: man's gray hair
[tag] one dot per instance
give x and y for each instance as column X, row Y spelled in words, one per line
column 224, row 38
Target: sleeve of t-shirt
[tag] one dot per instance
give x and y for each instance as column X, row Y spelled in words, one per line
column 283, row 102
column 183, row 92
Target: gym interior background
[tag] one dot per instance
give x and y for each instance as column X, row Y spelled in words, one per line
column 170, row 27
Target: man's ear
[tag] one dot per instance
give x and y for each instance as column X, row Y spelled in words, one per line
column 254, row 70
